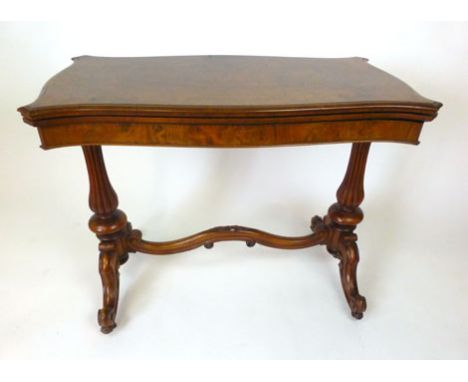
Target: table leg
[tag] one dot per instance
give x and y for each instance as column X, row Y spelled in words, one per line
column 111, row 227
column 341, row 222
column 343, row 218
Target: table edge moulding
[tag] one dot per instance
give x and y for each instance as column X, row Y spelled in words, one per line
column 225, row 101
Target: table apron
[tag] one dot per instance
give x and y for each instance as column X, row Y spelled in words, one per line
column 79, row 132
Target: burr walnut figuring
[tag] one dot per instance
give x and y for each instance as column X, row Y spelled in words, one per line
column 225, row 101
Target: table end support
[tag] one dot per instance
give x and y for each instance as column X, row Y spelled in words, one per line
column 117, row 239
column 112, row 229
column 341, row 220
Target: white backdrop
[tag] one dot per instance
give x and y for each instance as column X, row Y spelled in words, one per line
column 232, row 301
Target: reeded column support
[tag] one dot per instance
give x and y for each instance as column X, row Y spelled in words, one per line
column 111, row 227
column 342, row 219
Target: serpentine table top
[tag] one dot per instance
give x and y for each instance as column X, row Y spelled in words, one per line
column 218, row 100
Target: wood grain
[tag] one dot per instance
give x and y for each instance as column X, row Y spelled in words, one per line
column 225, row 101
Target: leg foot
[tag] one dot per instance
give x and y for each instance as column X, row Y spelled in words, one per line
column 106, row 323
column 107, row 330
column 356, row 315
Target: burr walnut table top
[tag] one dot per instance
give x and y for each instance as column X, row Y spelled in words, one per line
column 225, row 101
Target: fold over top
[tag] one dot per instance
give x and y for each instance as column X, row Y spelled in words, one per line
column 224, row 86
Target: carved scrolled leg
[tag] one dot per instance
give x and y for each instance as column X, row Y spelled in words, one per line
column 109, row 271
column 112, row 229
column 349, row 254
column 342, row 219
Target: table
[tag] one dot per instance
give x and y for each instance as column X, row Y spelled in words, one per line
column 225, row 101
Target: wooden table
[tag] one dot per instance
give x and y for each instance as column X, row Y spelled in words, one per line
column 225, row 101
